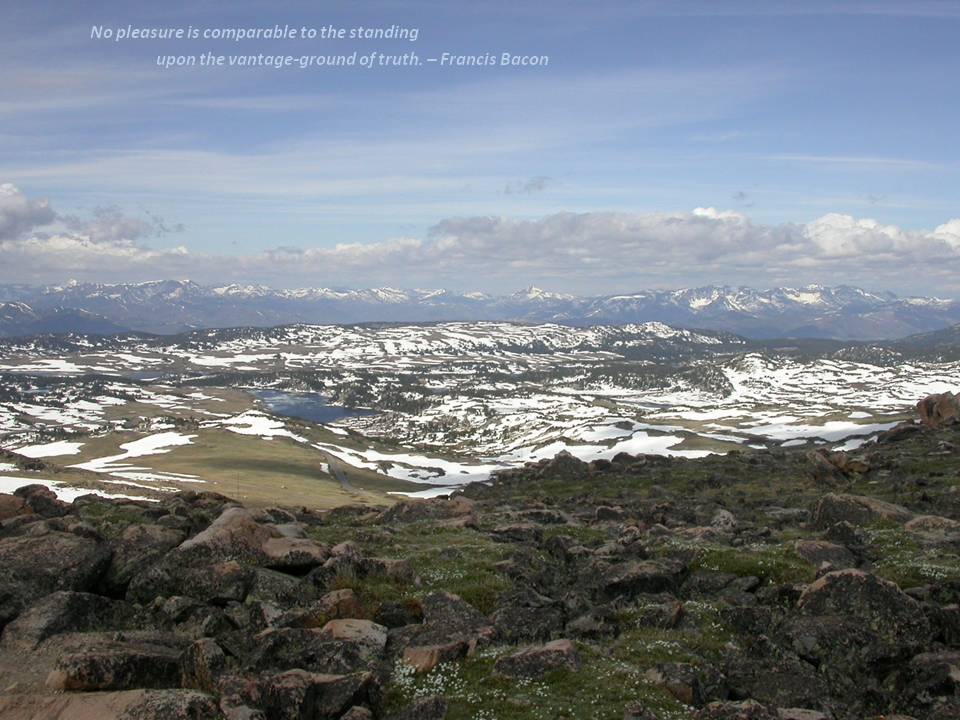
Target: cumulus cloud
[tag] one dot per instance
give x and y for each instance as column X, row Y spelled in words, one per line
column 19, row 214
column 111, row 224
column 596, row 252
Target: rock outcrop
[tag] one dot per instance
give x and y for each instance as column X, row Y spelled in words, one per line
column 738, row 586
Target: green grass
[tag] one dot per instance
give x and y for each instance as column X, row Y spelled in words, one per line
column 908, row 563
column 255, row 470
column 112, row 520
column 770, row 563
column 458, row 560
column 600, row 690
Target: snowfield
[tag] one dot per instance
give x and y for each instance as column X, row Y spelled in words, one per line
column 455, row 401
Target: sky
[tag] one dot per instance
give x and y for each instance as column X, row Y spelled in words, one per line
column 664, row 144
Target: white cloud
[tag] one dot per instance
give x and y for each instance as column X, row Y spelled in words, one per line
column 19, row 214
column 580, row 252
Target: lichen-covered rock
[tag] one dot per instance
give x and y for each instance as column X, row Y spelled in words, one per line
column 688, row 683
column 742, row 710
column 423, row 658
column 428, row 708
column 122, row 705
column 138, row 546
column 934, row 529
column 234, row 535
column 938, row 410
column 98, row 661
column 218, row 583
column 42, row 501
column 60, row 612
column 643, row 576
column 365, row 633
column 11, row 506
column 535, row 662
column 296, row 555
column 35, row 566
column 766, row 672
column 332, row 606
column 857, row 510
column 308, row 649
column 929, row 676
column 200, row 665
column 526, row 615
column 173, row 705
column 879, row 606
column 301, row 695
column 820, row 552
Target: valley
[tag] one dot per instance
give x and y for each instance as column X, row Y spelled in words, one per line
column 320, row 415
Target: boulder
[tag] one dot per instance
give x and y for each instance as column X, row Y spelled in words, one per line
column 234, row 535
column 878, row 606
column 357, row 712
column 293, row 555
column 934, row 529
column 526, row 615
column 114, row 661
column 301, row 695
column 723, row 521
column 565, row 466
column 428, row 708
column 42, row 501
column 365, row 633
column 124, row 705
column 217, row 583
column 802, row 714
column 518, row 532
column 272, row 586
column 856, row 509
column 768, row 673
column 138, row 546
column 444, row 609
column 535, row 662
column 446, row 618
column 643, row 576
column 200, row 665
column 937, row 410
column 334, row 605
column 609, row 513
column 930, row 675
column 423, row 658
column 36, row 566
column 688, row 683
column 11, row 506
column 638, row 710
column 59, row 612
column 308, row 649
column 820, row 552
column 742, row 710
column 172, row 705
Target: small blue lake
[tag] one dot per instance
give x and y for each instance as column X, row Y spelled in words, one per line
column 306, row 406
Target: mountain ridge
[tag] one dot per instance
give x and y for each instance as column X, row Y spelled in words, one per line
column 173, row 306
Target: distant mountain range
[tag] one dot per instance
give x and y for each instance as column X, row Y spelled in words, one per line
column 173, row 306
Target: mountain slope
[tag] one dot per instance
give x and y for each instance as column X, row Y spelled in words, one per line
column 19, row 319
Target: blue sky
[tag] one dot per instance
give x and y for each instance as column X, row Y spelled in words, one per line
column 776, row 115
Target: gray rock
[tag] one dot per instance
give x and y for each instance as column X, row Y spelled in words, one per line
column 535, row 662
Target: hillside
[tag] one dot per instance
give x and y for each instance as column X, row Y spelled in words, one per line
column 759, row 584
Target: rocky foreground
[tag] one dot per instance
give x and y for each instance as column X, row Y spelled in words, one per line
column 766, row 585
